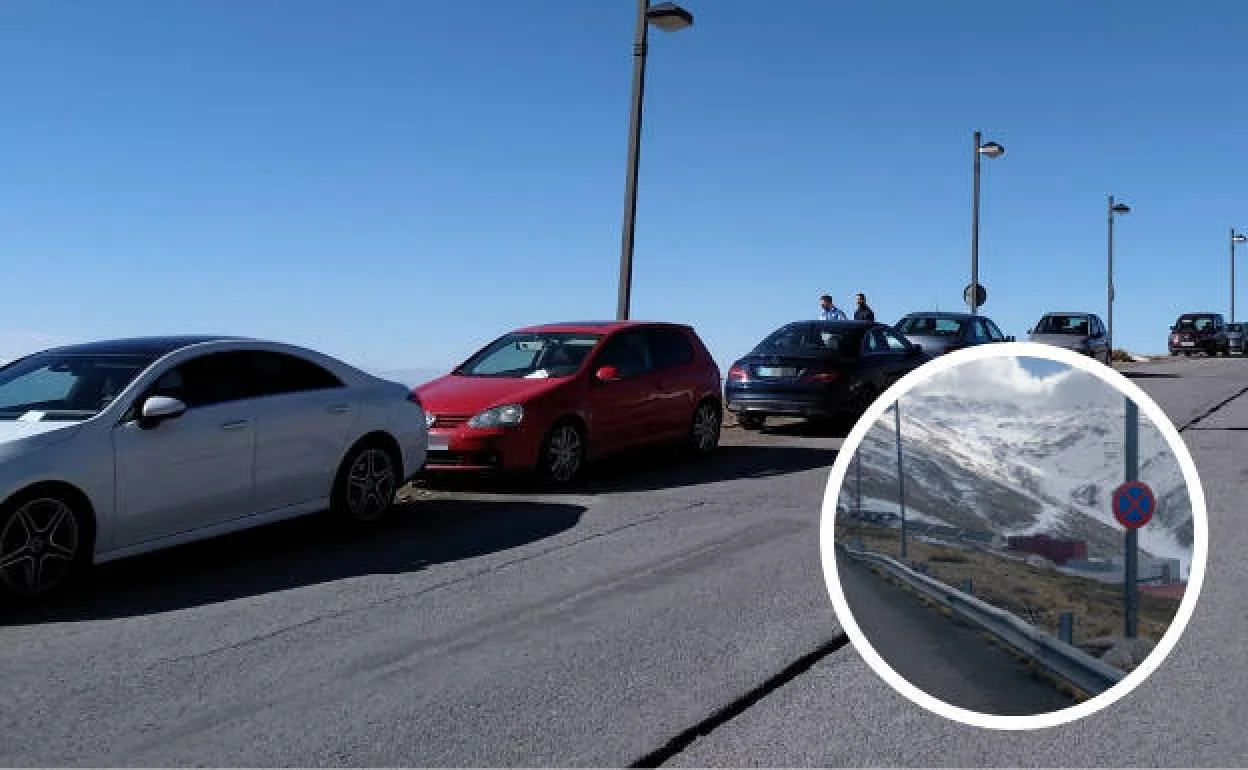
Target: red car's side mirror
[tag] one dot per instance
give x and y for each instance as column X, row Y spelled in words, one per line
column 608, row 374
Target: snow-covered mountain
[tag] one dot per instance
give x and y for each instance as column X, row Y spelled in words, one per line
column 991, row 447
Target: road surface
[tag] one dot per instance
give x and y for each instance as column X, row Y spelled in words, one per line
column 669, row 613
column 947, row 660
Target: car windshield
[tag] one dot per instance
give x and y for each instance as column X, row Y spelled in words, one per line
column 531, row 355
column 65, row 386
column 930, row 326
column 805, row 338
column 1063, row 324
column 1201, row 323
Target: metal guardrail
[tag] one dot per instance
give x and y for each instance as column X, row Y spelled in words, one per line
column 1091, row 675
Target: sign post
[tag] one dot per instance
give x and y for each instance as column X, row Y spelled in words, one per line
column 1134, row 504
column 901, row 476
column 977, row 299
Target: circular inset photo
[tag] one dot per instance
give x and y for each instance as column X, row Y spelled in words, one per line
column 1014, row 536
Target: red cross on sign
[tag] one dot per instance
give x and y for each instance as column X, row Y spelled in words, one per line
column 1133, row 504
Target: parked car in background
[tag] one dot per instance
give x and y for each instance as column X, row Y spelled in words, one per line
column 1079, row 332
column 939, row 332
column 1199, row 332
column 548, row 399
column 818, row 370
column 1235, row 338
column 116, row 448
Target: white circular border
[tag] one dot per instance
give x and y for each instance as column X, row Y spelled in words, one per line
column 1146, row 405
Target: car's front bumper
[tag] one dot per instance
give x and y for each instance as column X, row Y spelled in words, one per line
column 472, row 450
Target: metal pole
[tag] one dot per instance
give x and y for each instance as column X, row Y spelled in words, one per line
column 975, row 230
column 901, row 477
column 1109, row 282
column 858, row 480
column 1131, row 592
column 634, row 161
column 1232, row 275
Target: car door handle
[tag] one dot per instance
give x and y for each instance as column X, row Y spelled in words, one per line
column 235, row 425
column 339, row 409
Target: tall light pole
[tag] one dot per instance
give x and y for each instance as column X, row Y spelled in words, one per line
column 1115, row 208
column 1235, row 238
column 668, row 17
column 989, row 150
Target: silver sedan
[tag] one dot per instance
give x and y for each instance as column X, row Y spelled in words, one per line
column 112, row 449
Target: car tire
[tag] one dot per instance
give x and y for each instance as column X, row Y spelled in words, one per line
column 705, row 428
column 752, row 422
column 367, row 482
column 54, row 532
column 562, row 456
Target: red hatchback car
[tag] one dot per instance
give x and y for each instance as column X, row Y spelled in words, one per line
column 548, row 399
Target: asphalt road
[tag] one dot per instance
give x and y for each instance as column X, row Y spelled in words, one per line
column 604, row 627
column 950, row 661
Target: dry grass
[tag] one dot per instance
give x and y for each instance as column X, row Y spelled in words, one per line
column 1035, row 594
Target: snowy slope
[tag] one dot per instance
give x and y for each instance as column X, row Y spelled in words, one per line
column 995, row 452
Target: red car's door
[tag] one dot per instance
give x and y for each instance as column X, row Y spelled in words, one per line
column 623, row 412
column 679, row 379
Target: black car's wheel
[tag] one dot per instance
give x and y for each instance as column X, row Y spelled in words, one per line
column 45, row 542
column 562, row 455
column 751, row 421
column 704, row 432
column 366, row 484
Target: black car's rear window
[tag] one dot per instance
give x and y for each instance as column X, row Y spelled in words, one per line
column 931, row 326
column 1199, row 323
column 807, row 338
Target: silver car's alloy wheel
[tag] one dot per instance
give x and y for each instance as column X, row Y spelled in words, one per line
column 564, row 452
column 370, row 484
column 38, row 546
column 706, row 428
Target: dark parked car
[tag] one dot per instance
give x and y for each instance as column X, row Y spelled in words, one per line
column 818, row 370
column 1205, row 332
column 1079, row 332
column 941, row 333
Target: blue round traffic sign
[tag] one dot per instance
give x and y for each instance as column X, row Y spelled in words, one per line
column 1134, row 504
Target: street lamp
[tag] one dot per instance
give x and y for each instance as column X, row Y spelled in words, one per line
column 1115, row 208
column 668, row 17
column 1235, row 238
column 988, row 150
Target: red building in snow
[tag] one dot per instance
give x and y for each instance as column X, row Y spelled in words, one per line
column 1054, row 549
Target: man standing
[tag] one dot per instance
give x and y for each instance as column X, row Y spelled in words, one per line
column 829, row 311
column 864, row 311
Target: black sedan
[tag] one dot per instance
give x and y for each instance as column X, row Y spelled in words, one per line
column 818, row 370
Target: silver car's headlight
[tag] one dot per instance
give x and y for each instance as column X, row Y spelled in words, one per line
column 499, row 417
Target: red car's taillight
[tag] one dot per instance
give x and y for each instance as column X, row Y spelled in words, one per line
column 738, row 374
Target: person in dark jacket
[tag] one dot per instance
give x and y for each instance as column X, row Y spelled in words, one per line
column 864, row 311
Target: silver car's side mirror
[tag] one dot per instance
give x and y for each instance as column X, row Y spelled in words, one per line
column 157, row 409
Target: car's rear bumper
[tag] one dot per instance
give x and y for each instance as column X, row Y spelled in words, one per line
column 764, row 404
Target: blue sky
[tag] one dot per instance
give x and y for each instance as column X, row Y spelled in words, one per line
column 398, row 181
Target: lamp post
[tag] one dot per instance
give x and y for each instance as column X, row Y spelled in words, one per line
column 989, row 150
column 1235, row 238
column 1115, row 208
column 668, row 17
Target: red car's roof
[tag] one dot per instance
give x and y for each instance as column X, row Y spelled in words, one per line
column 591, row 327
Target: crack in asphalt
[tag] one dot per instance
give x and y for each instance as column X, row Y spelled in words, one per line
column 1217, row 406
column 739, row 706
column 286, row 629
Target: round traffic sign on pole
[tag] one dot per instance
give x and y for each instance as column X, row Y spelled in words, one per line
column 1134, row 504
column 981, row 296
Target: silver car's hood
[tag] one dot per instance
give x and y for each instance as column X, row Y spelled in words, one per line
column 35, row 433
column 1068, row 341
